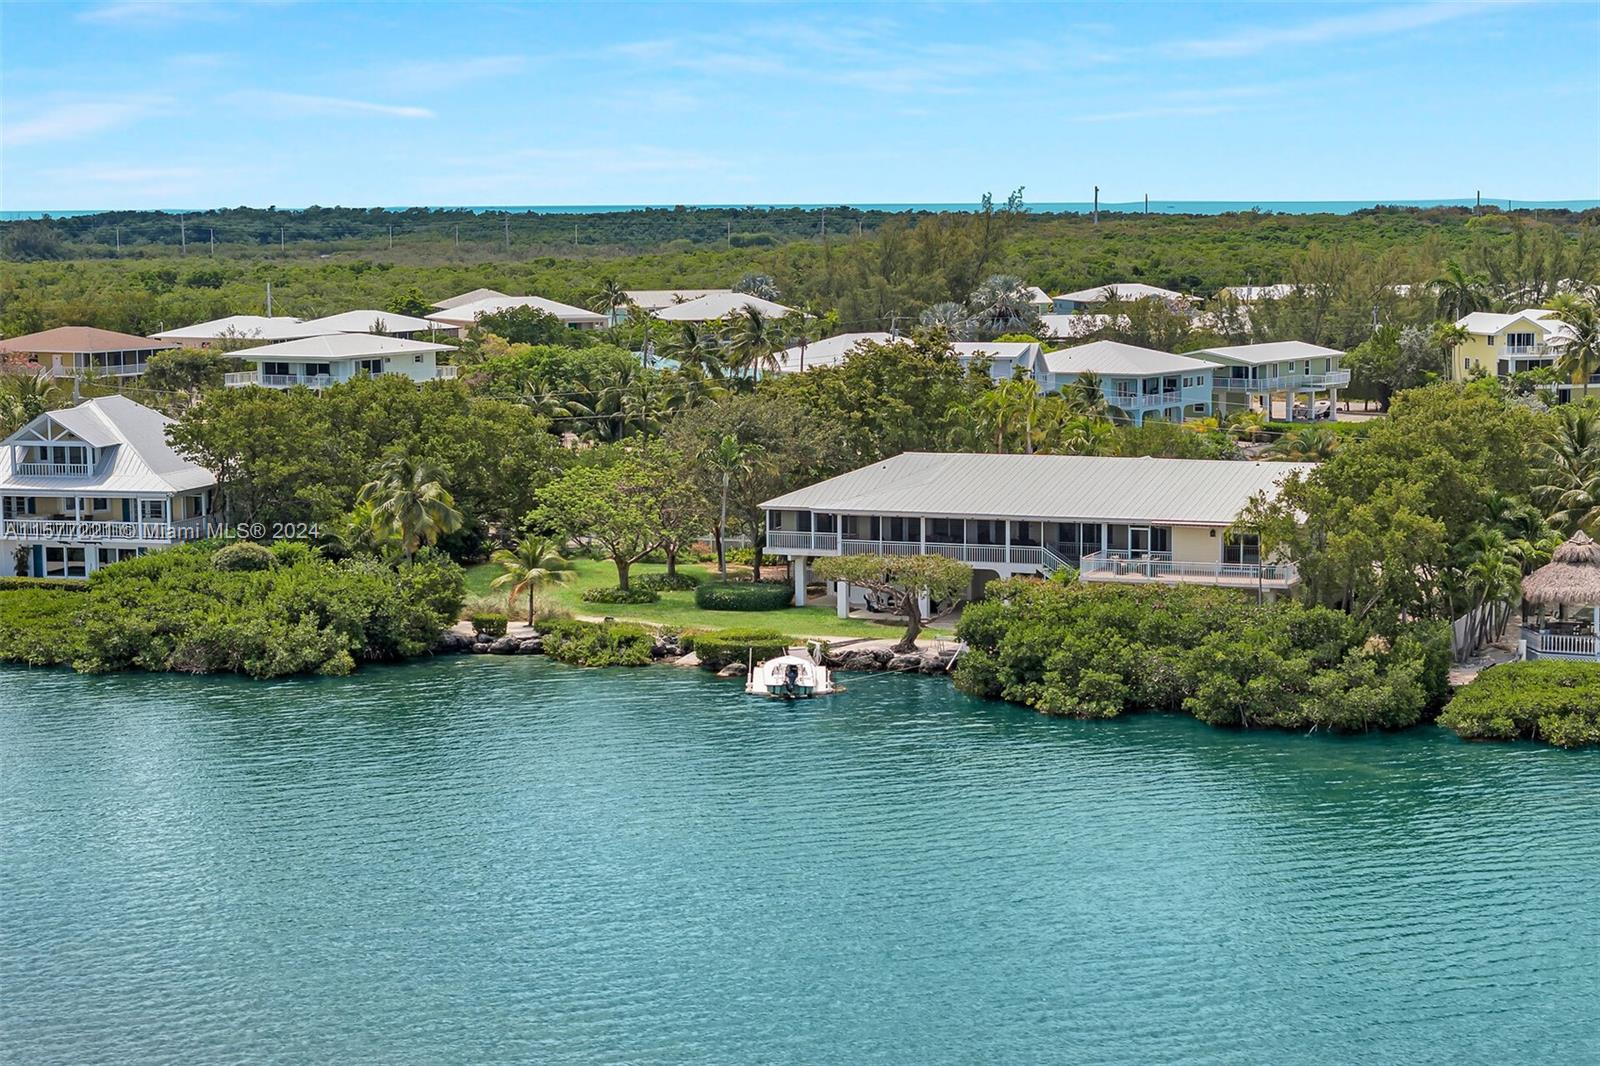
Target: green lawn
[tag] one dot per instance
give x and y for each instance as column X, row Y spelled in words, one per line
column 677, row 609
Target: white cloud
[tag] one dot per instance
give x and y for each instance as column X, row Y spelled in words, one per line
column 283, row 105
column 1372, row 22
column 447, row 73
column 73, row 119
column 147, row 12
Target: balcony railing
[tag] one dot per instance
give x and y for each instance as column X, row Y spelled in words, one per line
column 1157, row 566
column 236, row 378
column 1131, row 400
column 448, row 372
column 1336, row 379
column 1529, row 350
column 791, row 541
column 53, row 469
column 1543, row 644
column 94, row 532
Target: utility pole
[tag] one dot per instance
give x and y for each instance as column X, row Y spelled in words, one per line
column 574, row 234
column 1096, row 205
column 119, row 240
column 391, row 238
column 458, row 238
column 269, row 299
column 280, row 237
column 508, row 234
column 213, row 239
column 183, row 237
column 1146, row 205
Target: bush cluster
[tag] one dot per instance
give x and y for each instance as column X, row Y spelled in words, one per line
column 597, row 643
column 1558, row 702
column 720, row 647
column 243, row 555
column 616, row 594
column 62, row 584
column 1097, row 651
column 743, row 596
column 668, row 582
column 489, row 624
column 176, row 610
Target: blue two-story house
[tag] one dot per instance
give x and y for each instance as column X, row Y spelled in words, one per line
column 1142, row 383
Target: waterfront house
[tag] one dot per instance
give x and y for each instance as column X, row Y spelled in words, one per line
column 1500, row 345
column 1116, row 519
column 466, row 315
column 1142, row 383
column 1250, row 375
column 1125, row 290
column 468, row 298
column 238, row 331
column 94, row 484
column 718, row 305
column 369, row 321
column 317, row 362
column 73, row 351
column 1565, row 597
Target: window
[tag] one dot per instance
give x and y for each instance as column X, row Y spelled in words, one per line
column 946, row 531
column 152, row 510
column 1025, row 534
column 987, row 531
column 65, row 562
column 1519, row 340
column 906, row 530
column 1242, row 549
column 281, row 370
column 99, row 503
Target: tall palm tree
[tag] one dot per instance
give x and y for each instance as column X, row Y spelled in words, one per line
column 692, row 348
column 1568, row 463
column 798, row 330
column 1000, row 305
column 24, row 397
column 1006, row 412
column 1492, row 578
column 1086, row 397
column 408, row 498
column 1460, row 293
column 1579, row 343
column 954, row 318
column 610, row 297
column 535, row 563
column 753, row 341
column 729, row 456
column 1306, row 444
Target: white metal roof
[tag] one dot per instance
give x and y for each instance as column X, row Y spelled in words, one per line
column 1272, row 352
column 244, row 327
column 1075, row 326
column 467, row 298
column 1114, row 357
column 370, row 322
column 655, row 299
column 830, row 351
column 1037, row 296
column 136, row 457
column 1254, row 293
column 338, row 346
column 1197, row 492
column 466, row 314
column 1125, row 290
column 720, row 305
column 1016, row 351
column 1487, row 323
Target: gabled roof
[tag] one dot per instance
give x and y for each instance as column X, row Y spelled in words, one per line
column 1272, row 352
column 337, row 346
column 137, row 457
column 1125, row 290
column 72, row 340
column 1488, row 323
column 1114, row 357
column 363, row 322
column 830, row 351
column 244, row 327
column 1036, row 295
column 1076, row 326
column 654, row 299
column 1018, row 351
column 467, row 298
column 720, row 305
column 468, row 313
column 1202, row 492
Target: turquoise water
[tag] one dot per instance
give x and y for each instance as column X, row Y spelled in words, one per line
column 512, row 861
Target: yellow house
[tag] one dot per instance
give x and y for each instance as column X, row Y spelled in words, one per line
column 1504, row 344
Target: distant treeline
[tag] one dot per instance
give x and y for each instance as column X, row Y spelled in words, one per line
column 479, row 234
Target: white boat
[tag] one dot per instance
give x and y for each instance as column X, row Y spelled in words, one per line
column 790, row 677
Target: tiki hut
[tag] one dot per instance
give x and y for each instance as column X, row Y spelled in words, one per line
column 1571, row 579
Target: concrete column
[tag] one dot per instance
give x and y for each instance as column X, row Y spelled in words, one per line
column 797, row 564
column 924, row 605
column 841, row 592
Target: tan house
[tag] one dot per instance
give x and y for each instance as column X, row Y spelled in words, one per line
column 72, row 351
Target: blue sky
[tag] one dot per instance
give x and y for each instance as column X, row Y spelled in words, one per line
column 161, row 104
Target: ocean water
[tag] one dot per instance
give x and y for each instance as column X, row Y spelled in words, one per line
column 1156, row 207
column 506, row 860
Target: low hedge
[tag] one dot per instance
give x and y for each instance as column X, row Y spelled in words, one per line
column 615, row 594
column 668, row 583
column 743, row 596
column 598, row 643
column 244, row 555
column 720, row 647
column 57, row 583
column 489, row 624
column 1548, row 700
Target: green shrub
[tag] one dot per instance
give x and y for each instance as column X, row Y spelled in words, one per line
column 244, row 555
column 740, row 556
column 1555, row 701
column 720, row 647
column 668, row 583
column 743, row 596
column 39, row 624
column 57, row 583
column 598, row 643
column 489, row 624
column 1097, row 651
column 615, row 594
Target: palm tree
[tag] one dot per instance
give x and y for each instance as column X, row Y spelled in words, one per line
column 535, row 563
column 1086, row 397
column 729, row 457
column 954, row 318
column 1569, row 462
column 760, row 286
column 1006, row 412
column 24, row 397
column 693, row 349
column 1492, row 578
column 1251, row 426
column 1460, row 293
column 408, row 498
column 752, row 340
column 798, row 330
column 1308, row 444
column 1579, row 342
column 1000, row 305
column 610, row 297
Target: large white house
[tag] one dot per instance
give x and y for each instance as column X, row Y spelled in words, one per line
column 1005, row 357
column 1122, row 290
column 318, row 362
column 372, row 321
column 94, row 484
column 715, row 305
column 1115, row 519
column 464, row 316
column 1252, row 374
column 466, row 298
column 238, row 331
column 1142, row 383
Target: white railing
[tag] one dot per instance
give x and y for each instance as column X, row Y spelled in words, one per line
column 68, row 531
column 448, row 372
column 1336, row 379
column 1561, row 645
column 236, row 378
column 788, row 540
column 1528, row 349
column 53, row 469
column 1128, row 400
column 1158, row 565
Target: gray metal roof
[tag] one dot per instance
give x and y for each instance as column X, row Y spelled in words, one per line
column 1270, row 352
column 1200, row 492
column 142, row 460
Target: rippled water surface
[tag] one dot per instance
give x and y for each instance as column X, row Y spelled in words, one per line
column 513, row 861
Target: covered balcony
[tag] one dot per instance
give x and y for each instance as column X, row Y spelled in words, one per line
column 1130, row 567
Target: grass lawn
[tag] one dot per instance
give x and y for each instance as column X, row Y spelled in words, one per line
column 677, row 609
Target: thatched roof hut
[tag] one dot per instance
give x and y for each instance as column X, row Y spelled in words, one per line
column 1570, row 579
